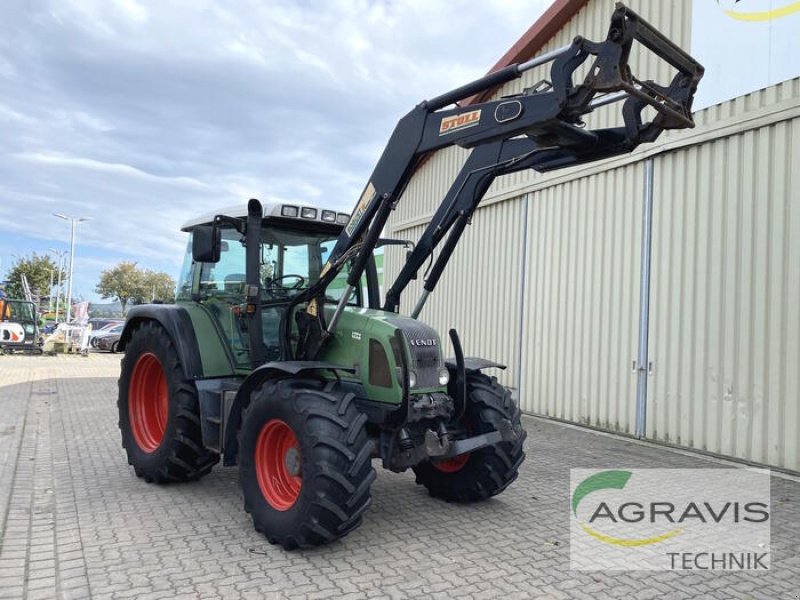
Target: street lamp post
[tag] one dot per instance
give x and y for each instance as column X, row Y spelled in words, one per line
column 60, row 254
column 50, row 293
column 74, row 221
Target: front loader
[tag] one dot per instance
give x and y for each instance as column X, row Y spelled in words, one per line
column 279, row 354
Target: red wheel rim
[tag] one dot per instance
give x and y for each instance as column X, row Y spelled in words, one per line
column 451, row 465
column 278, row 465
column 148, row 402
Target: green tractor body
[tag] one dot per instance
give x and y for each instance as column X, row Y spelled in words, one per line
column 191, row 392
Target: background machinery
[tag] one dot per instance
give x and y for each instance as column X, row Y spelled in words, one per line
column 19, row 326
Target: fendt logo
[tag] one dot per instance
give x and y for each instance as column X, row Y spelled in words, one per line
column 670, row 519
column 422, row 342
column 462, row 121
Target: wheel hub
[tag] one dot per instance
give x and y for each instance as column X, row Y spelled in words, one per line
column 148, row 402
column 278, row 464
column 292, row 461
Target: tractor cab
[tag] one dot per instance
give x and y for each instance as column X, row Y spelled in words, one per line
column 294, row 244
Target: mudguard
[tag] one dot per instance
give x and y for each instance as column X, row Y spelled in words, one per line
column 473, row 363
column 176, row 321
column 267, row 371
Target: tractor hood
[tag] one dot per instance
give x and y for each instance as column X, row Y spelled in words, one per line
column 387, row 349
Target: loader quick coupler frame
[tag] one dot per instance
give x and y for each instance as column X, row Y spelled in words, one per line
column 302, row 395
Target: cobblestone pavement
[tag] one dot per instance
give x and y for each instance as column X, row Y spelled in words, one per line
column 75, row 522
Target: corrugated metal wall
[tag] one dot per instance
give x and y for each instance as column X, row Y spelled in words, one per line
column 582, row 298
column 547, row 278
column 725, row 296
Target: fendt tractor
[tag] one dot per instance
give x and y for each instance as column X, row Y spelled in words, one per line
column 280, row 356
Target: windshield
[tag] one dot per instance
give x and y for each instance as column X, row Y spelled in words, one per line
column 16, row 310
column 291, row 261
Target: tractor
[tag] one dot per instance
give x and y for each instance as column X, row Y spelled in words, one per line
column 280, row 354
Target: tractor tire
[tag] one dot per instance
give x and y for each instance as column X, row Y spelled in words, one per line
column 486, row 472
column 304, row 462
column 159, row 414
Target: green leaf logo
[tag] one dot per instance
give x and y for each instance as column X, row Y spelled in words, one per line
column 599, row 481
column 612, row 480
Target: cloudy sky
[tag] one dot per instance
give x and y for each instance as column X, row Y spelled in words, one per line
column 141, row 114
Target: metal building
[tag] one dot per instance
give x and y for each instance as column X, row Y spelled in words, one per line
column 552, row 277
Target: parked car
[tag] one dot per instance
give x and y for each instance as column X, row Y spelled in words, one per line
column 107, row 339
column 99, row 324
column 102, row 327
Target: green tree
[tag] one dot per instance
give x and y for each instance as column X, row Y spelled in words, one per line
column 129, row 284
column 158, row 287
column 37, row 270
column 123, row 282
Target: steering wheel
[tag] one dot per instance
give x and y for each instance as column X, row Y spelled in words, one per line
column 274, row 284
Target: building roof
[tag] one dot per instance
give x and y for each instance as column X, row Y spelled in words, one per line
column 533, row 40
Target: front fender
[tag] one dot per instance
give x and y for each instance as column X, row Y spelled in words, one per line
column 267, row 371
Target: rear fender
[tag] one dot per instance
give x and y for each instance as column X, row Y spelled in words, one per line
column 178, row 325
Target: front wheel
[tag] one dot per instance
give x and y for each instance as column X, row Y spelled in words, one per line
column 304, row 462
column 159, row 416
column 486, row 472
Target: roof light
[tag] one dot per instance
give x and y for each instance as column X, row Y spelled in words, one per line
column 308, row 213
column 342, row 218
column 289, row 211
column 329, row 216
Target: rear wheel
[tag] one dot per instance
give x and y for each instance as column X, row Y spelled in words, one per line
column 159, row 416
column 486, row 472
column 304, row 462
column 114, row 347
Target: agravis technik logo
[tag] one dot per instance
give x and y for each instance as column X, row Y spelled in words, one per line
column 701, row 519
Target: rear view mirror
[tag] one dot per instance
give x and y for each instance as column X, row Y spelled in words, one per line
column 206, row 243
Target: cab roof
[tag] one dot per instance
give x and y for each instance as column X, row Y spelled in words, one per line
column 302, row 211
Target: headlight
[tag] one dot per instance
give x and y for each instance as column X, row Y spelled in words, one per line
column 444, row 376
column 412, row 379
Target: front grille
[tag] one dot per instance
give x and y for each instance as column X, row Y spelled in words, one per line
column 425, row 359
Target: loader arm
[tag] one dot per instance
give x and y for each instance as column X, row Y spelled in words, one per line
column 540, row 129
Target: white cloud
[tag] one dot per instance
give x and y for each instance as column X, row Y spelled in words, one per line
column 132, row 10
column 61, row 160
column 142, row 114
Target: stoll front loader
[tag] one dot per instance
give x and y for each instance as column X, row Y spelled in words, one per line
column 279, row 355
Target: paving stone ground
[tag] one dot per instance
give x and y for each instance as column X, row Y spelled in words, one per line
column 76, row 523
